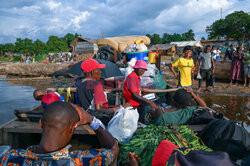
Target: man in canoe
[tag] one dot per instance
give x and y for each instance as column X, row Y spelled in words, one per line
column 132, row 86
column 58, row 123
column 90, row 92
column 38, row 94
column 181, row 111
column 35, row 115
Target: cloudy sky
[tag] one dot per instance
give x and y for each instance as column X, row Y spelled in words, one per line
column 38, row 19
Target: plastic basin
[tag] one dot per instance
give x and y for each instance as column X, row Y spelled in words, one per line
column 138, row 55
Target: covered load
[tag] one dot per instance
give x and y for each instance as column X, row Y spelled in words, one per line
column 122, row 42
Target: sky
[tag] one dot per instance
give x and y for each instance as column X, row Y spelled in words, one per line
column 38, row 19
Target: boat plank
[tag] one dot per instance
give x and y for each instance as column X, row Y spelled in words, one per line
column 33, row 127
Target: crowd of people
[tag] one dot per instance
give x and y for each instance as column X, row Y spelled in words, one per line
column 60, row 118
column 62, row 57
column 202, row 63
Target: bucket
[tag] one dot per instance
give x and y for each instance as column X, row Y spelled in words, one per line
column 138, row 55
column 152, row 57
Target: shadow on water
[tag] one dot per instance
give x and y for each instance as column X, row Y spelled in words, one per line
column 233, row 107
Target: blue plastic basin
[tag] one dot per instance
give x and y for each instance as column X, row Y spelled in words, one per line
column 138, row 55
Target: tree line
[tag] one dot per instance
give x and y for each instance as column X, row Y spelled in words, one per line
column 28, row 47
column 168, row 38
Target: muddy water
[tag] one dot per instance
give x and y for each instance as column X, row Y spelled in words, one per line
column 233, row 107
column 14, row 97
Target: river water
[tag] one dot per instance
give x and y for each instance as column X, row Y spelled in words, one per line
column 14, row 97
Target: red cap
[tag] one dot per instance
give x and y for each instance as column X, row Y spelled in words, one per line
column 163, row 152
column 90, row 64
column 50, row 98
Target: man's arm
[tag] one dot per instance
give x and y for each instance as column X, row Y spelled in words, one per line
column 107, row 110
column 104, row 137
column 213, row 65
column 137, row 97
column 172, row 69
column 200, row 102
column 199, row 65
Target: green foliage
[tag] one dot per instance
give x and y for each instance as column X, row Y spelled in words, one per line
column 203, row 38
column 40, row 57
column 56, row 44
column 145, row 142
column 235, row 25
column 39, row 47
column 168, row 38
column 5, row 59
column 24, row 46
column 9, row 47
column 17, row 58
column 188, row 36
column 69, row 38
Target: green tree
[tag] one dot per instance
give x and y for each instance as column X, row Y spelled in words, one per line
column 155, row 39
column 24, row 46
column 56, row 44
column 188, row 36
column 69, row 38
column 39, row 47
column 76, row 34
column 166, row 38
column 176, row 37
column 203, row 38
column 216, row 30
column 235, row 25
column 9, row 47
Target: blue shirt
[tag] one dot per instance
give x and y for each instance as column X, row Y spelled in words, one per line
column 21, row 157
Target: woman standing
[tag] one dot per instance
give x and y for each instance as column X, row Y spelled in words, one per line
column 236, row 66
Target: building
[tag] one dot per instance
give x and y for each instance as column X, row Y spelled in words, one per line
column 220, row 42
column 182, row 44
column 83, row 45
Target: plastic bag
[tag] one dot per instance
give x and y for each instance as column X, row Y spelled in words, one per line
column 147, row 82
column 141, row 47
column 124, row 123
column 131, row 48
column 129, row 69
column 198, row 76
column 159, row 82
column 151, row 70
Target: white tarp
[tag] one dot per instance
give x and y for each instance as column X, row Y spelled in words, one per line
column 188, row 43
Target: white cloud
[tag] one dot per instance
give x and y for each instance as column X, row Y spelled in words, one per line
column 40, row 19
column 80, row 18
column 53, row 5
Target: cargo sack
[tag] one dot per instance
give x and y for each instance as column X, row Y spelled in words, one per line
column 192, row 157
column 124, row 123
column 201, row 116
column 227, row 136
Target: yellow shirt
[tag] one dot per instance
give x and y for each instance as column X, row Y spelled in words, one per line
column 184, row 66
